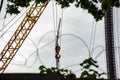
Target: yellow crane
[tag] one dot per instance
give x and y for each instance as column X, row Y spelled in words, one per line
column 20, row 34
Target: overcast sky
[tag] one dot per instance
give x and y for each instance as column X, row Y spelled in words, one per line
column 77, row 26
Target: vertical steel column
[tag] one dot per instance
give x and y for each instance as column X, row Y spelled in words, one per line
column 109, row 38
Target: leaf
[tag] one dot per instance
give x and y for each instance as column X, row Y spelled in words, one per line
column 53, row 69
column 42, row 67
column 43, row 72
column 42, row 1
column 84, row 74
column 49, row 70
column 101, row 74
column 87, row 66
column 12, row 9
column 64, row 70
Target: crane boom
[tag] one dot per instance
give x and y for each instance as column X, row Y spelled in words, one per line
column 20, row 34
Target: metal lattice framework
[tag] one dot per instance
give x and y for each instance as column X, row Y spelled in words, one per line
column 110, row 52
column 20, row 34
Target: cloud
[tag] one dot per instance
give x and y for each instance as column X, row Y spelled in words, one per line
column 75, row 21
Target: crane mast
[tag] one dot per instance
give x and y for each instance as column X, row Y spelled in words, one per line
column 110, row 49
column 20, row 34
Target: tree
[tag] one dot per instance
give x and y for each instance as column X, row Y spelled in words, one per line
column 64, row 73
column 96, row 8
column 88, row 71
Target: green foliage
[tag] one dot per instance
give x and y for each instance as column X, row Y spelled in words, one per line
column 12, row 9
column 65, row 73
column 21, row 3
column 87, row 71
column 65, row 3
column 44, row 70
column 97, row 8
column 42, row 1
column 13, row 5
column 87, row 63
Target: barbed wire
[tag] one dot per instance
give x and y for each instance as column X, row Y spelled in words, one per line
column 37, row 54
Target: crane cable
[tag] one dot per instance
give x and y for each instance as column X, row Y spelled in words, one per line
column 57, row 32
column 9, row 26
column 5, row 25
column 92, row 38
column 55, row 23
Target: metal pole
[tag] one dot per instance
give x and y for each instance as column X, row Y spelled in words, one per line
column 109, row 39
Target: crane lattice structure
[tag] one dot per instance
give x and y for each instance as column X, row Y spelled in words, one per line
column 20, row 34
column 109, row 38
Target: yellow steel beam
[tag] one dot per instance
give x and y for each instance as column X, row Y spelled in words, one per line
column 20, row 34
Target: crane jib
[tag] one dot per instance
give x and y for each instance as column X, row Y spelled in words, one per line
column 20, row 34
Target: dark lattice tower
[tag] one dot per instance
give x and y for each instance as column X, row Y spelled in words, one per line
column 109, row 38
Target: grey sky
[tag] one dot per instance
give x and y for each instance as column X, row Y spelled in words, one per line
column 73, row 51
